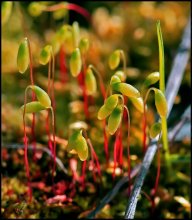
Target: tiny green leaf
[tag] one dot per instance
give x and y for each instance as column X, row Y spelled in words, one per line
column 42, row 96
column 35, row 9
column 155, row 129
column 106, row 109
column 84, row 45
column 126, row 89
column 121, row 75
column 138, row 103
column 160, row 103
column 151, row 79
column 6, row 8
column 115, row 119
column 23, row 56
column 45, row 55
column 90, row 82
column 75, row 62
column 115, row 79
column 114, row 59
column 33, row 107
column 79, row 144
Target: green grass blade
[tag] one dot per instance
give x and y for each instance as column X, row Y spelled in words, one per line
column 162, row 88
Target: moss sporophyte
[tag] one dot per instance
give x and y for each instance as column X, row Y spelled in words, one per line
column 79, row 144
column 43, row 103
column 47, row 57
column 114, row 111
column 114, row 108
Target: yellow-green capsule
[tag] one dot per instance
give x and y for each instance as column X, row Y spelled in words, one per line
column 114, row 59
column 32, row 107
column 114, row 79
column 151, row 79
column 42, row 96
column 79, row 144
column 76, row 33
column 35, row 9
column 138, row 103
column 23, row 56
column 75, row 62
column 115, row 119
column 126, row 89
column 155, row 129
column 106, row 109
column 84, row 45
column 6, row 8
column 121, row 75
column 45, row 55
column 90, row 82
column 160, row 103
column 63, row 33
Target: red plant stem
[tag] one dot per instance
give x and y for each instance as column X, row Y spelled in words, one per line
column 94, row 157
column 52, row 85
column 120, row 150
column 33, row 98
column 85, row 96
column 25, row 153
column 105, row 142
column 93, row 171
column 128, row 150
column 47, row 119
column 144, row 130
column 80, row 79
column 70, row 6
column 54, row 146
column 115, row 153
column 154, row 191
column 53, row 113
column 63, row 66
column 83, row 173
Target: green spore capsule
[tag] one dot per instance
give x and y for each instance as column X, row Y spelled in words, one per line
column 155, row 130
column 23, row 56
column 151, row 79
column 32, row 107
column 160, row 103
column 45, row 55
column 114, row 59
column 35, row 9
column 121, row 75
column 42, row 96
column 138, row 103
column 6, row 8
column 79, row 144
column 115, row 119
column 115, row 79
column 75, row 62
column 84, row 45
column 126, row 89
column 105, row 110
column 90, row 82
column 76, row 33
column 63, row 33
